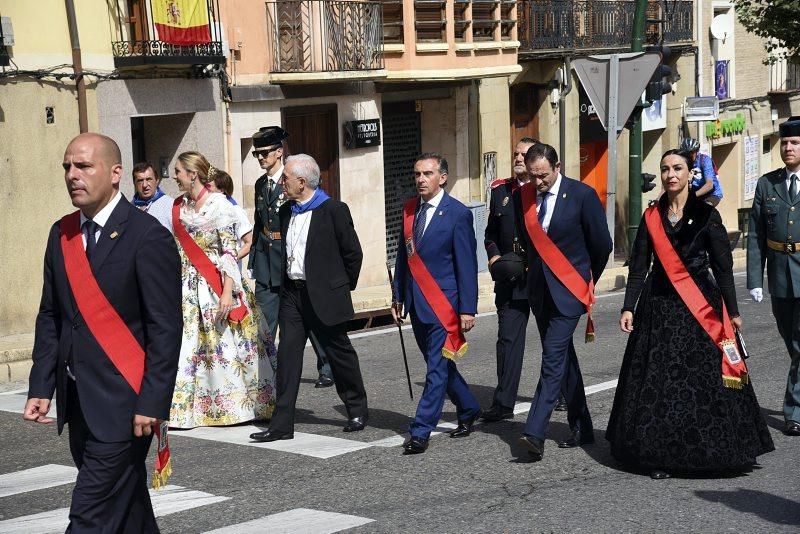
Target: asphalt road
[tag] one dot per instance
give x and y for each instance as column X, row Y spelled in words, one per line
column 483, row 483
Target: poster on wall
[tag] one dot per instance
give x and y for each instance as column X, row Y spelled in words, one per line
column 752, row 155
column 721, row 79
column 655, row 117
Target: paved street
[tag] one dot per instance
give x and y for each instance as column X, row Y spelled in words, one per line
column 328, row 481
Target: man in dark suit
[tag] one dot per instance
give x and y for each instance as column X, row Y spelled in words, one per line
column 440, row 291
column 321, row 263
column 574, row 221
column 774, row 240
column 135, row 263
column 269, row 146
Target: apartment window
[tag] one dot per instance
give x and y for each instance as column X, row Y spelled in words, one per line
column 430, row 22
column 508, row 19
column 461, row 19
column 484, row 19
column 392, row 21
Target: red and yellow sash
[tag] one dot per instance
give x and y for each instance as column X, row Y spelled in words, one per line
column 734, row 370
column 204, row 266
column 108, row 328
column 455, row 345
column 555, row 260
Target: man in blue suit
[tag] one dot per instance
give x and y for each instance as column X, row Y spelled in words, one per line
column 444, row 240
column 574, row 221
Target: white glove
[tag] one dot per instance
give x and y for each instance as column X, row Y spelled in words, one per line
column 757, row 293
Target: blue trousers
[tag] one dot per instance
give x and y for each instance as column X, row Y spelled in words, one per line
column 787, row 315
column 560, row 373
column 441, row 378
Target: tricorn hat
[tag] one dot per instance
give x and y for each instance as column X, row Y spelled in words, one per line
column 269, row 136
column 509, row 267
column 790, row 128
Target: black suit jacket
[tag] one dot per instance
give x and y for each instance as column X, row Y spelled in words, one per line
column 332, row 261
column 139, row 273
column 500, row 234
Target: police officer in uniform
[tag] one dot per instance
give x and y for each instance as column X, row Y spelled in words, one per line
column 506, row 265
column 774, row 239
column 267, row 249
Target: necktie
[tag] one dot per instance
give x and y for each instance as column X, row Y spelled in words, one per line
column 419, row 223
column 793, row 187
column 543, row 207
column 270, row 185
column 90, row 229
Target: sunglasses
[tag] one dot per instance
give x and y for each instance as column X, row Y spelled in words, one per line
column 263, row 153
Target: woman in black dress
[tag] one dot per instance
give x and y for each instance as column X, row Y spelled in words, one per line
column 672, row 413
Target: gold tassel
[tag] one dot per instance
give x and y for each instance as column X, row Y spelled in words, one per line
column 450, row 355
column 733, row 382
column 160, row 479
column 589, row 337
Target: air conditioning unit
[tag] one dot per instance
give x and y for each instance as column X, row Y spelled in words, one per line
column 701, row 108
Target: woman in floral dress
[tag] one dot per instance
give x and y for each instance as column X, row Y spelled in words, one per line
column 227, row 363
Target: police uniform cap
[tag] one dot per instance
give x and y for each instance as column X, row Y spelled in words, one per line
column 269, row 136
column 509, row 267
column 791, row 128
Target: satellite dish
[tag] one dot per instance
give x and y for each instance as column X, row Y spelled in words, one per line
column 721, row 27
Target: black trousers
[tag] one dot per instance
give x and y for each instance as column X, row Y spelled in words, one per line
column 110, row 494
column 297, row 319
column 512, row 322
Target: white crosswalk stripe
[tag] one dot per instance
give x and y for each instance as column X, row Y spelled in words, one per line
column 298, row 520
column 44, row 476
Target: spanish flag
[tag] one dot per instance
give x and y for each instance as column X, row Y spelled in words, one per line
column 182, row 22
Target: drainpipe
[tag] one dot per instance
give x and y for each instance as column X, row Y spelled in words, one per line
column 562, row 113
column 698, row 58
column 77, row 67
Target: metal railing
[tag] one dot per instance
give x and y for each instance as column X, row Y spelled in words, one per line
column 324, row 36
column 784, row 77
column 547, row 25
column 147, row 32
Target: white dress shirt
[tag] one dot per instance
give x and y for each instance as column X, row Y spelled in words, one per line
column 296, row 239
column 551, row 203
column 275, row 177
column 101, row 219
column 789, row 174
column 433, row 204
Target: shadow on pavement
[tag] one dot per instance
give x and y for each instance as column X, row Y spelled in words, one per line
column 769, row 507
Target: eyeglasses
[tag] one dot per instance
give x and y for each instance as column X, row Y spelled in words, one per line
column 263, row 153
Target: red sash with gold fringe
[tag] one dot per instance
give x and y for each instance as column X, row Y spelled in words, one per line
column 555, row 260
column 455, row 344
column 734, row 370
column 108, row 328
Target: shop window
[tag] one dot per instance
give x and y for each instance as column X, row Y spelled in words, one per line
column 430, row 22
column 392, row 21
column 461, row 19
column 484, row 19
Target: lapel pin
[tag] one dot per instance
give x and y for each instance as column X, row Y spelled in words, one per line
column 114, row 234
column 689, row 222
column 564, row 195
column 441, row 213
column 505, row 201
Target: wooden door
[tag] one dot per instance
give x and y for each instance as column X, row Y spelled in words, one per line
column 313, row 130
column 524, row 117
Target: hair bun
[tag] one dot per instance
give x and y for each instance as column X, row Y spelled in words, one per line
column 211, row 171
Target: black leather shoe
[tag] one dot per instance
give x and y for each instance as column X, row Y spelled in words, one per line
column 658, row 474
column 792, row 428
column 355, row 424
column 271, row 435
column 496, row 413
column 464, row 427
column 576, row 439
column 415, row 445
column 561, row 405
column 535, row 447
column 324, row 381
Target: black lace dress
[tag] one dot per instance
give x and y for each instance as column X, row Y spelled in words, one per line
column 671, row 410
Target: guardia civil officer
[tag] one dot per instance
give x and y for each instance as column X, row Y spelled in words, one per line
column 269, row 145
column 774, row 239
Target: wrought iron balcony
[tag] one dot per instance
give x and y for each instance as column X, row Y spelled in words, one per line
column 321, row 36
column 560, row 26
column 148, row 32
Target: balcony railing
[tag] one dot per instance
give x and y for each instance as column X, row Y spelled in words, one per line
column 146, row 32
column 784, row 77
column 564, row 25
column 308, row 36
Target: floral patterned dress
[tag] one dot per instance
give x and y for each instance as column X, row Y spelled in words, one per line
column 226, row 370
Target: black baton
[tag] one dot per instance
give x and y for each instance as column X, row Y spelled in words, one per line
column 400, row 331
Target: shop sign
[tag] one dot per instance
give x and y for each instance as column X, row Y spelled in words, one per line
column 360, row 134
column 752, row 152
column 719, row 128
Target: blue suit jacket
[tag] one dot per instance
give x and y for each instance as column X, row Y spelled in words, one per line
column 448, row 249
column 578, row 228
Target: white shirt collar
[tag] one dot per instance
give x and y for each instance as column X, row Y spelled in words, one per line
column 434, row 202
column 102, row 216
column 306, row 201
column 277, row 176
column 556, row 186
